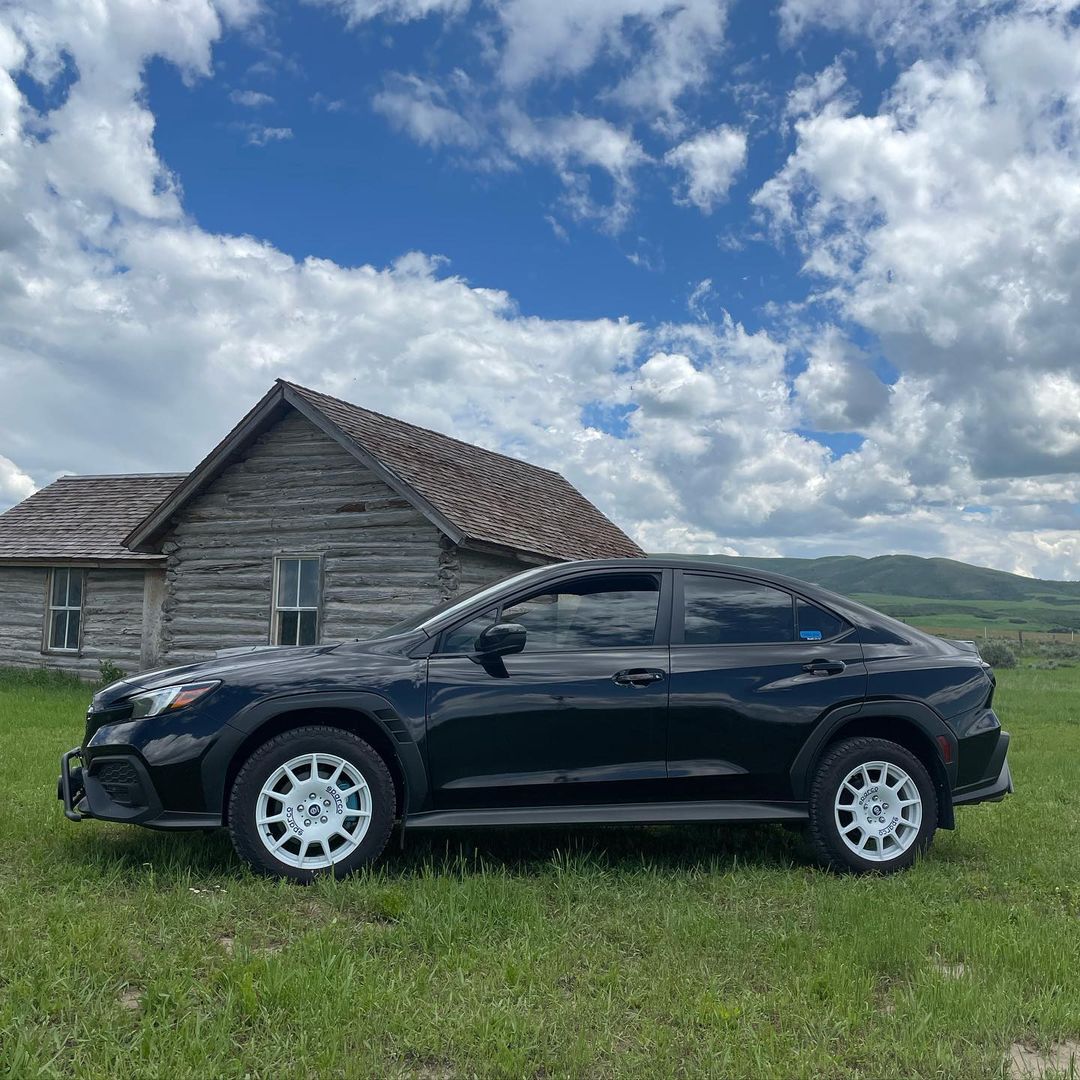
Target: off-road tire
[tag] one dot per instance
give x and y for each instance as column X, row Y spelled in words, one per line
column 271, row 755
column 838, row 762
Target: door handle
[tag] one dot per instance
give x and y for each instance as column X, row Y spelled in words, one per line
column 825, row 667
column 637, row 676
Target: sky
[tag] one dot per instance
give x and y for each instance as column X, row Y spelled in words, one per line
column 790, row 278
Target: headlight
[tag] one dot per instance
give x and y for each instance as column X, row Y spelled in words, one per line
column 168, row 698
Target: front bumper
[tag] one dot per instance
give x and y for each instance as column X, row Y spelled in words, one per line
column 118, row 788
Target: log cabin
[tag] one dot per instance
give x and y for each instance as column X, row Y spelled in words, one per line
column 313, row 520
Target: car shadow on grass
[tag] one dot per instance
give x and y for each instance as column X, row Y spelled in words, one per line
column 135, row 854
column 659, row 848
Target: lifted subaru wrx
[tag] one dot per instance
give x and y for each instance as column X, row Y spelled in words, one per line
column 624, row 691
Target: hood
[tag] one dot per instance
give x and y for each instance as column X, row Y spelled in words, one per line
column 229, row 662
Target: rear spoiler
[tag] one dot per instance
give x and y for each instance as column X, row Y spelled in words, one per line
column 964, row 646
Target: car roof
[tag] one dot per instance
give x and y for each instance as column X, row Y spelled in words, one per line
column 696, row 563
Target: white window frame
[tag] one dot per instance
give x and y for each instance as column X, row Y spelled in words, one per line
column 51, row 609
column 276, row 609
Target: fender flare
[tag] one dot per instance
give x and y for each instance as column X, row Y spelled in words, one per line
column 376, row 709
column 919, row 714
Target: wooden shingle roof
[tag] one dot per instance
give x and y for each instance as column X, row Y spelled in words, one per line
column 83, row 518
column 487, row 496
column 475, row 496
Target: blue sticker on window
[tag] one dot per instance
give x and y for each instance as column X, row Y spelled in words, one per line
column 810, row 635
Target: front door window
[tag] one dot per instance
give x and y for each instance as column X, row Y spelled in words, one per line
column 601, row 612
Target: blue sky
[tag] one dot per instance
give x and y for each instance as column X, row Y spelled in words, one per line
column 344, row 185
column 795, row 277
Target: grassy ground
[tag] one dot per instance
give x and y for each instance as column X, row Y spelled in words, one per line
column 616, row 952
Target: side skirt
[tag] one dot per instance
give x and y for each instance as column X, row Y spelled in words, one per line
column 612, row 814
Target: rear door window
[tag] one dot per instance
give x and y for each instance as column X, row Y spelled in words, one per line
column 817, row 624
column 730, row 611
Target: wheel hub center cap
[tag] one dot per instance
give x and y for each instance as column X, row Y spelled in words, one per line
column 313, row 810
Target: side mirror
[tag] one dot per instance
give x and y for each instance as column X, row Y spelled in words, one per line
column 502, row 639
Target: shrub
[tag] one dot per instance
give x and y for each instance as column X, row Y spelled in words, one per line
column 1059, row 651
column 997, row 653
column 110, row 673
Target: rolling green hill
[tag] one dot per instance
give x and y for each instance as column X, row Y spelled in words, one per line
column 936, row 592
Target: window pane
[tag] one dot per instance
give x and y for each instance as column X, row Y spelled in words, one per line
column 818, row 625
column 725, row 611
column 309, row 583
column 287, row 624
column 74, row 588
column 306, row 633
column 288, row 581
column 73, row 630
column 464, row 637
column 592, row 613
column 58, row 630
column 59, row 587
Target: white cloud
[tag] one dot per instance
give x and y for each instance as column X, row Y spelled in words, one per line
column 505, row 137
column 911, row 25
column 573, row 145
column 837, row 391
column 319, row 100
column 420, row 108
column 357, row 12
column 15, row 485
column 813, row 92
column 710, row 161
column 250, row 99
column 654, row 53
column 543, row 39
column 948, row 225
column 257, row 135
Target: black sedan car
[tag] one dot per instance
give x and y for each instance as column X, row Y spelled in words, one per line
column 624, row 691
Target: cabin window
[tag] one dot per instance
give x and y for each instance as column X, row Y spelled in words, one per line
column 65, row 610
column 296, row 600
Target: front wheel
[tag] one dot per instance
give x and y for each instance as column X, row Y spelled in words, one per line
column 315, row 800
column 873, row 807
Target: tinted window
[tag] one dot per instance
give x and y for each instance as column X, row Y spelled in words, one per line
column 591, row 613
column 725, row 611
column 462, row 639
column 818, row 625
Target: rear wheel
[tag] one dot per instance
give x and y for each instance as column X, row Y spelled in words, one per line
column 873, row 807
column 315, row 800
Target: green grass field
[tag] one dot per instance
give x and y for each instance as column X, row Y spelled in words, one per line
column 618, row 952
column 1000, row 618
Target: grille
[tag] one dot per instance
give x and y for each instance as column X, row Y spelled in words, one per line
column 121, row 781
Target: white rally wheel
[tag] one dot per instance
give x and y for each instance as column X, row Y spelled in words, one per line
column 878, row 811
column 313, row 811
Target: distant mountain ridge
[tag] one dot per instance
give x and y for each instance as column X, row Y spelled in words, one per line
column 911, row 575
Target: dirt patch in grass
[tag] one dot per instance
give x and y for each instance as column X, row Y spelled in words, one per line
column 1061, row 1059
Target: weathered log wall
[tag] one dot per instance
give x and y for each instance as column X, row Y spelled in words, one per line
column 111, row 620
column 294, row 492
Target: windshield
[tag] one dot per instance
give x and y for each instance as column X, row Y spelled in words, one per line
column 448, row 608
